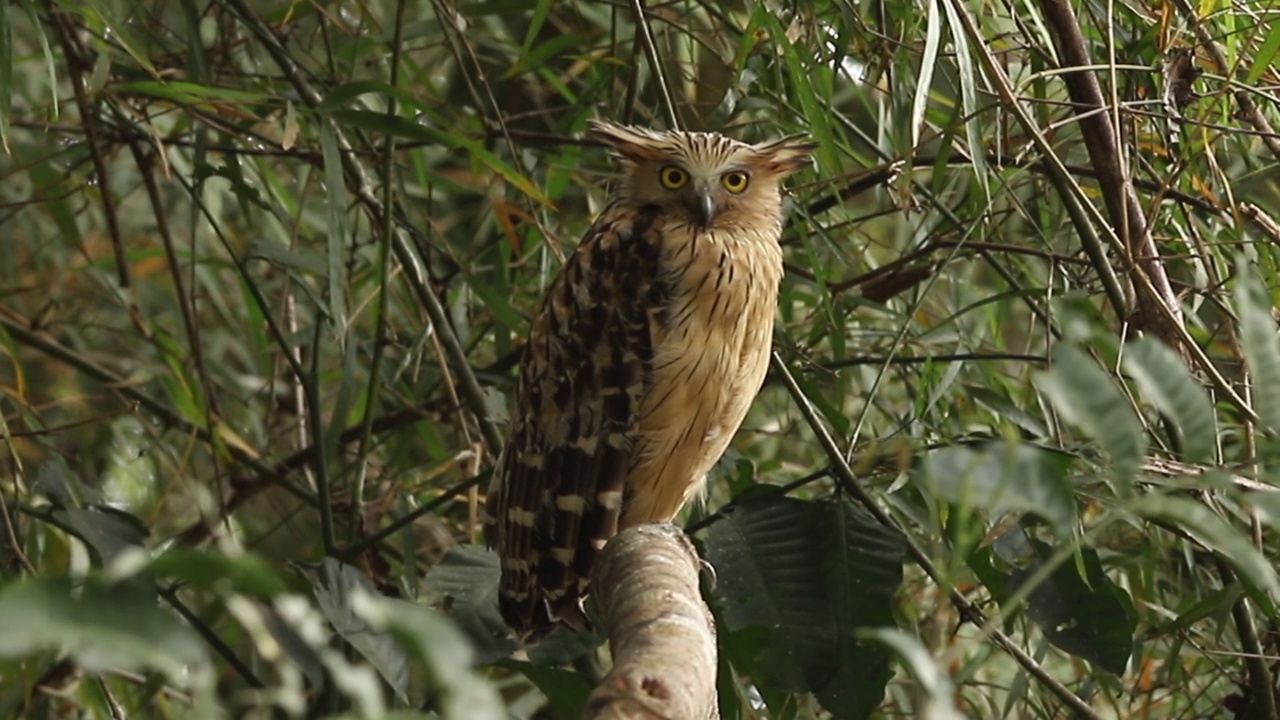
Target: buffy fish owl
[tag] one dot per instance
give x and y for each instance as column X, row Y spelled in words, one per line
column 642, row 359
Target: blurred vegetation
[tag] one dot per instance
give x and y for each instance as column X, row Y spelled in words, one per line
column 266, row 270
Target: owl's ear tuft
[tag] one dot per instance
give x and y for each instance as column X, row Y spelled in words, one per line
column 627, row 142
column 785, row 155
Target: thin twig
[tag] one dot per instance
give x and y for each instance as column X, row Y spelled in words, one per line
column 645, row 37
column 75, row 58
column 386, row 226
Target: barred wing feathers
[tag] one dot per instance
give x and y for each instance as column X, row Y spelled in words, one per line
column 558, row 493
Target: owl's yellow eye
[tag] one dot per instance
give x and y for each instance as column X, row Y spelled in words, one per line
column 672, row 177
column 735, row 182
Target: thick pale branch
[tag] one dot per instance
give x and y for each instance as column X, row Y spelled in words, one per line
column 662, row 635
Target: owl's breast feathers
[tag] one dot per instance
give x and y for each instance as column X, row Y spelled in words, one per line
column 641, row 364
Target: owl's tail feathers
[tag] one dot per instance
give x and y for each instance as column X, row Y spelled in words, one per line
column 536, row 593
column 534, row 616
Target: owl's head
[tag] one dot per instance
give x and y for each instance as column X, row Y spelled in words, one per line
column 707, row 178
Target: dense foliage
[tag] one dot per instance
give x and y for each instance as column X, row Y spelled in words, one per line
column 266, row 270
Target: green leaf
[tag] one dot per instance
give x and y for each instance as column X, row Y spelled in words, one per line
column 1088, row 397
column 1232, row 544
column 6, row 76
column 969, row 99
column 566, row 690
column 1003, row 476
column 466, row 579
column 242, row 574
column 187, row 93
column 802, row 85
column 1090, row 617
column 1260, row 343
column 937, row 702
column 1168, row 384
column 861, row 564
column 1215, row 602
column 107, row 532
column 439, row 647
column 928, row 63
column 540, row 13
column 335, row 586
column 337, row 98
column 336, row 225
column 1006, row 410
column 103, row 627
column 1265, row 55
column 802, row 578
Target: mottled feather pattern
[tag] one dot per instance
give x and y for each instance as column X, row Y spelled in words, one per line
column 642, row 360
column 582, row 381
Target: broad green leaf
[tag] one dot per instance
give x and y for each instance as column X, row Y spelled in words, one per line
column 1167, row 382
column 1001, row 477
column 336, row 584
column 466, row 580
column 1088, row 398
column 802, row 578
column 438, row 646
column 566, row 690
column 1090, row 617
column 219, row 572
column 861, row 564
column 1260, row 343
column 564, row 645
column 107, row 532
column 103, row 627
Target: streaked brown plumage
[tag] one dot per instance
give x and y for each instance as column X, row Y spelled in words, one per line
column 642, row 360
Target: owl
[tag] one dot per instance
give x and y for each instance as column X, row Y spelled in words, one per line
column 642, row 359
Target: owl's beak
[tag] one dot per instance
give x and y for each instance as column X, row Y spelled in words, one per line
column 706, row 208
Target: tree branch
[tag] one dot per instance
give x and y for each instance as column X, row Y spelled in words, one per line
column 1118, row 194
column 662, row 634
